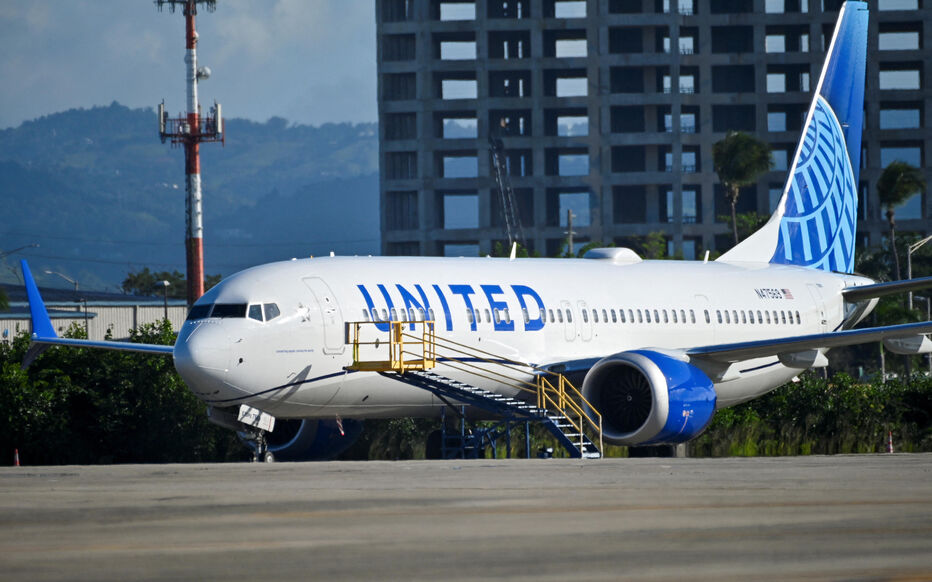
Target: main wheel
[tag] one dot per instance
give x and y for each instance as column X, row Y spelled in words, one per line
column 268, row 457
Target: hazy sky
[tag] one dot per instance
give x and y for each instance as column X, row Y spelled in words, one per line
column 309, row 61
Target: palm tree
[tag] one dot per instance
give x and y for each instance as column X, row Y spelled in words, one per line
column 897, row 183
column 739, row 160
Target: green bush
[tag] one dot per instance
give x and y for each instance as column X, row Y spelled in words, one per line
column 817, row 416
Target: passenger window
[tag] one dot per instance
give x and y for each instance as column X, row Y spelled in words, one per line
column 229, row 310
column 744, row 317
column 605, row 315
column 550, row 313
column 734, row 316
column 488, row 318
column 665, row 320
column 767, row 313
column 255, row 312
column 631, row 315
column 469, row 317
column 384, row 314
column 760, row 318
column 707, row 318
column 647, row 315
column 718, row 314
column 585, row 316
column 775, row 321
column 673, row 312
column 498, row 317
column 527, row 318
column 798, row 320
column 683, row 315
column 394, row 314
column 560, row 315
column 365, row 315
column 543, row 315
column 569, row 316
column 595, row 315
column 621, row 313
column 656, row 317
column 614, row 317
column 783, row 317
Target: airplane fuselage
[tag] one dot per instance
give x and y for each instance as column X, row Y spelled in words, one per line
column 539, row 311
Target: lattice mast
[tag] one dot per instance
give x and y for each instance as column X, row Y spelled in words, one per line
column 189, row 130
column 510, row 217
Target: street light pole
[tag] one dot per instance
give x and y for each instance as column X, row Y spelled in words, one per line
column 65, row 277
column 165, row 285
column 928, row 301
column 6, row 253
column 909, row 263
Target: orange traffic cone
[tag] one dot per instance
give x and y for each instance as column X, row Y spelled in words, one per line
column 890, row 441
column 16, row 457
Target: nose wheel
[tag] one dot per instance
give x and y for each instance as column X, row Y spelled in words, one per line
column 260, row 447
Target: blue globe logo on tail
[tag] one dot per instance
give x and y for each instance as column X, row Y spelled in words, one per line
column 818, row 225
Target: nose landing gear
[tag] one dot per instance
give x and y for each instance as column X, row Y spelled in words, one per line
column 253, row 427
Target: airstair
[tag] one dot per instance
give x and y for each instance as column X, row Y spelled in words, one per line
column 540, row 396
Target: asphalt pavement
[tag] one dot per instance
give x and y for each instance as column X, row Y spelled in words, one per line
column 864, row 517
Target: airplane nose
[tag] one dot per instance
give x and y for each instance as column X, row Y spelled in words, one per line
column 202, row 358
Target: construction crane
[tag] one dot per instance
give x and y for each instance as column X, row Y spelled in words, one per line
column 510, row 216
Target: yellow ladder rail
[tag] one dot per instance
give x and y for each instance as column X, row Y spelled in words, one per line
column 411, row 351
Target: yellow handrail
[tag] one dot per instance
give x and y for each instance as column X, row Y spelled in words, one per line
column 559, row 394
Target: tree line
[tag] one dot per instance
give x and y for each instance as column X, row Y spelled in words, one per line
column 84, row 406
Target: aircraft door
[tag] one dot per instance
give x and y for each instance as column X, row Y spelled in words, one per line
column 569, row 326
column 585, row 321
column 331, row 317
column 816, row 293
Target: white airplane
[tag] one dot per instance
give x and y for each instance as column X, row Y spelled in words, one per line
column 661, row 344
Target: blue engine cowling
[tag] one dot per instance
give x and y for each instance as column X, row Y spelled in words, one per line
column 299, row 439
column 649, row 398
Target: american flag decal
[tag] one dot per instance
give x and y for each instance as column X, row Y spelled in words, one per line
column 787, row 294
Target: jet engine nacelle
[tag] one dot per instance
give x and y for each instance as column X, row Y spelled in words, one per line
column 311, row 440
column 649, row 398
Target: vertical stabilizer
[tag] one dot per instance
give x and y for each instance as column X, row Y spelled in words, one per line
column 815, row 221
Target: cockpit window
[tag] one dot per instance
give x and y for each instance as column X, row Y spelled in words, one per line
column 255, row 312
column 226, row 310
column 199, row 311
column 271, row 311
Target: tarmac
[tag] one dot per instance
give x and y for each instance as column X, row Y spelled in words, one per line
column 860, row 517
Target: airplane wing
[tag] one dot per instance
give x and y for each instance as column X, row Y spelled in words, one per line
column 853, row 294
column 44, row 336
column 756, row 349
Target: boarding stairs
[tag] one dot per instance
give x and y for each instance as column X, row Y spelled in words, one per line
column 541, row 396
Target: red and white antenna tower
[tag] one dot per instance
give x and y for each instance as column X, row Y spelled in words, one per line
column 189, row 131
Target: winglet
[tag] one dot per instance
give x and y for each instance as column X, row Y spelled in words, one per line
column 41, row 323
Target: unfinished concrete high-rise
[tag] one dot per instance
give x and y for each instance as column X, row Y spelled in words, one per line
column 609, row 109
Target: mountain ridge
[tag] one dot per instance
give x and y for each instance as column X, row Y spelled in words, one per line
column 102, row 196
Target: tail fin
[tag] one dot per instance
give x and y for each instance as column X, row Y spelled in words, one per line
column 815, row 221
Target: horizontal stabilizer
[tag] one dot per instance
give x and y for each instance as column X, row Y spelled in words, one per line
column 864, row 292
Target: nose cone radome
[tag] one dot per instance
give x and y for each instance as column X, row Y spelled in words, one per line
column 202, row 358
